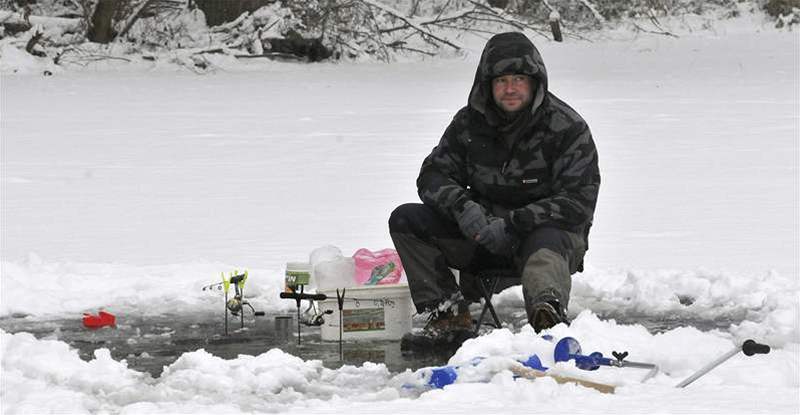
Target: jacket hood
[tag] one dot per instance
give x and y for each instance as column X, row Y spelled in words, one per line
column 506, row 54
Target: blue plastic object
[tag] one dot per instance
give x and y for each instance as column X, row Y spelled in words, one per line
column 566, row 349
column 447, row 375
column 533, row 362
column 591, row 362
column 569, row 349
column 443, row 376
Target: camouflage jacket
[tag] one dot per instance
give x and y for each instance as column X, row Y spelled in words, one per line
column 537, row 169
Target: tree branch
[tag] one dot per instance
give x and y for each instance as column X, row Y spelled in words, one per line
column 133, row 18
column 410, row 22
column 509, row 20
column 454, row 16
column 594, row 11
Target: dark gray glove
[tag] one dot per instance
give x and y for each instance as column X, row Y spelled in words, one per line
column 496, row 237
column 472, row 219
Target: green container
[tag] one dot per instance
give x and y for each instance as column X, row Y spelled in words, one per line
column 297, row 274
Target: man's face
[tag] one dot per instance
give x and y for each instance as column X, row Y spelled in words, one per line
column 512, row 92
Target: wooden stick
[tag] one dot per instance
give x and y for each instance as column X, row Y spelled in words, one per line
column 528, row 373
column 37, row 34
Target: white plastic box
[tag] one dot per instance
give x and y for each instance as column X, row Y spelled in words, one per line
column 381, row 312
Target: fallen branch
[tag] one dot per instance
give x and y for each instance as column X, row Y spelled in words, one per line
column 35, row 37
column 400, row 46
column 207, row 50
column 654, row 19
column 272, row 55
column 665, row 33
column 230, row 25
column 82, row 57
column 64, row 24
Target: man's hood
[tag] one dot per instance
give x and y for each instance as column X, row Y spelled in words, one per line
column 506, row 54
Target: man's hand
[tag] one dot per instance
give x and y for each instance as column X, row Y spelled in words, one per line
column 496, row 237
column 472, row 219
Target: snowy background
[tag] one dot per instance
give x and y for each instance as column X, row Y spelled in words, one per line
column 116, row 179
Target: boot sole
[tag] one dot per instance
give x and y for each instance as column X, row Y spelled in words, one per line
column 545, row 317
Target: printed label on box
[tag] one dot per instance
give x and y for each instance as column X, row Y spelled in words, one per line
column 363, row 319
column 298, row 277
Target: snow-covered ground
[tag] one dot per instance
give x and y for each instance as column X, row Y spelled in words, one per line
column 130, row 189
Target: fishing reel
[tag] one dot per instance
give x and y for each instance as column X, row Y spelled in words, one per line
column 312, row 316
column 235, row 305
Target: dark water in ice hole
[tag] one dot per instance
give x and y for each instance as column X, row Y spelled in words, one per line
column 149, row 343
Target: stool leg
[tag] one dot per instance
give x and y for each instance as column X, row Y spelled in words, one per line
column 487, row 302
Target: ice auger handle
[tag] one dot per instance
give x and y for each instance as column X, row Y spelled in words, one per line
column 750, row 347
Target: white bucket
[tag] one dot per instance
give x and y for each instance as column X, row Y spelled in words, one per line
column 380, row 312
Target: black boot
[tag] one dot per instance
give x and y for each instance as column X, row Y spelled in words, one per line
column 445, row 332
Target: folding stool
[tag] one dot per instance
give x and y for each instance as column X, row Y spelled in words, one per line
column 487, row 281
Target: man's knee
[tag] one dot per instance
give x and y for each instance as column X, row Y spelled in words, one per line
column 422, row 221
column 560, row 246
column 401, row 218
column 546, row 265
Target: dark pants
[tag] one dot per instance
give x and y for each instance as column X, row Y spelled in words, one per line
column 429, row 244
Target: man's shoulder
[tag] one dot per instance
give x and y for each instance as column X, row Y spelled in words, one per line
column 561, row 115
column 465, row 115
column 467, row 119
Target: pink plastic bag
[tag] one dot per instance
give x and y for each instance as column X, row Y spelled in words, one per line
column 377, row 268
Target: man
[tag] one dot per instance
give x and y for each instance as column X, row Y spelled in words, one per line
column 512, row 184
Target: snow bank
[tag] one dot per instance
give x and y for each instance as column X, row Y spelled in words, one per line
column 14, row 60
column 46, row 289
column 768, row 303
column 58, row 380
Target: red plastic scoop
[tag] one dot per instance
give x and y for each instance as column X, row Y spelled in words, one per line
column 102, row 319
